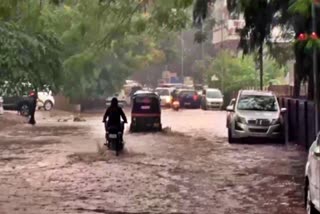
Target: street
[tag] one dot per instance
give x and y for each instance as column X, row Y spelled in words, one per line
column 61, row 166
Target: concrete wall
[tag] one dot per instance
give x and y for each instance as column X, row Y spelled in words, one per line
column 62, row 103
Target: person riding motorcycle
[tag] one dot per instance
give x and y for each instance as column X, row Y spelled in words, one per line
column 114, row 114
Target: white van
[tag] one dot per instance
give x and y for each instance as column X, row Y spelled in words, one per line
column 212, row 99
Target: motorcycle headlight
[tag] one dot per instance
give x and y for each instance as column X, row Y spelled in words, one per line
column 240, row 119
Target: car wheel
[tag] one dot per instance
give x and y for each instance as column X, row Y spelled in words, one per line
column 309, row 206
column 230, row 138
column 48, row 105
column 24, row 110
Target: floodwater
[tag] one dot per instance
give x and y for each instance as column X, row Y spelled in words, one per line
column 61, row 166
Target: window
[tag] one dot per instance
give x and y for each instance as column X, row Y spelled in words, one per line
column 214, row 94
column 187, row 93
column 146, row 105
column 163, row 92
column 257, row 103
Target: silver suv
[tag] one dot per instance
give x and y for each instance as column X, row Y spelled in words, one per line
column 255, row 114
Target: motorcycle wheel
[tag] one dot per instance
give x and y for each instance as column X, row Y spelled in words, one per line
column 119, row 147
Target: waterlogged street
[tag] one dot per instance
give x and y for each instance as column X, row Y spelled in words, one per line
column 61, row 166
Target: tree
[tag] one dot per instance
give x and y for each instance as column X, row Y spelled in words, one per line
column 301, row 11
column 234, row 73
column 88, row 47
column 26, row 54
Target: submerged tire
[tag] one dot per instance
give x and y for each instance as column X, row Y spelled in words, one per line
column 230, row 138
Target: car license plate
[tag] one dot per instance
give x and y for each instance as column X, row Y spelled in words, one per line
column 157, row 125
column 187, row 103
column 145, row 107
column 112, row 136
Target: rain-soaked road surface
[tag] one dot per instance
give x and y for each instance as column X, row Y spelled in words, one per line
column 62, row 167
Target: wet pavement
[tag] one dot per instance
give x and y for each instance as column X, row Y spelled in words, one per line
column 63, row 167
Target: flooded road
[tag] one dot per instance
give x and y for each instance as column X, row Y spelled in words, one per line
column 61, row 166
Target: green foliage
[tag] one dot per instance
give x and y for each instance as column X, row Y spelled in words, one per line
column 27, row 53
column 24, row 57
column 281, row 53
column 236, row 73
column 85, row 48
column 302, row 7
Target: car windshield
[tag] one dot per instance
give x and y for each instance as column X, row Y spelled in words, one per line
column 214, row 94
column 163, row 92
column 257, row 103
column 187, row 93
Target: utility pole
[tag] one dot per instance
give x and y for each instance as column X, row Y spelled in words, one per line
column 315, row 71
column 261, row 65
column 221, row 49
column 182, row 57
column 202, row 48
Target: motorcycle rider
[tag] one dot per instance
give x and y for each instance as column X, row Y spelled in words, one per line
column 114, row 114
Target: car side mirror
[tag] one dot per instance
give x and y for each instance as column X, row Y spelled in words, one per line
column 230, row 108
column 283, row 110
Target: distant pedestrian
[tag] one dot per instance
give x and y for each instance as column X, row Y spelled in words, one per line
column 33, row 106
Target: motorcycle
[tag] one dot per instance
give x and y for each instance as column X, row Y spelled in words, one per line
column 114, row 138
column 176, row 105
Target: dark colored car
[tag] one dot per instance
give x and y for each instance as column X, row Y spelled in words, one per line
column 16, row 97
column 189, row 98
column 21, row 104
column 146, row 112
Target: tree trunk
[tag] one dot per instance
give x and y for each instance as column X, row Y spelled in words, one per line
column 261, row 65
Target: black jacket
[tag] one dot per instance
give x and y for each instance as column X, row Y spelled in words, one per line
column 113, row 115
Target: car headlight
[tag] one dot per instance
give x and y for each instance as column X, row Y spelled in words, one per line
column 240, row 119
column 168, row 99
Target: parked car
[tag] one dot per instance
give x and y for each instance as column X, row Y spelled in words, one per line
column 312, row 181
column 165, row 96
column 212, row 99
column 230, row 113
column 256, row 114
column 189, row 98
column 121, row 100
column 45, row 100
column 22, row 104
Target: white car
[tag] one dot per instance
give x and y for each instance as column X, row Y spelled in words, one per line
column 312, row 182
column 212, row 99
column 45, row 100
column 165, row 96
column 122, row 99
column 256, row 114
